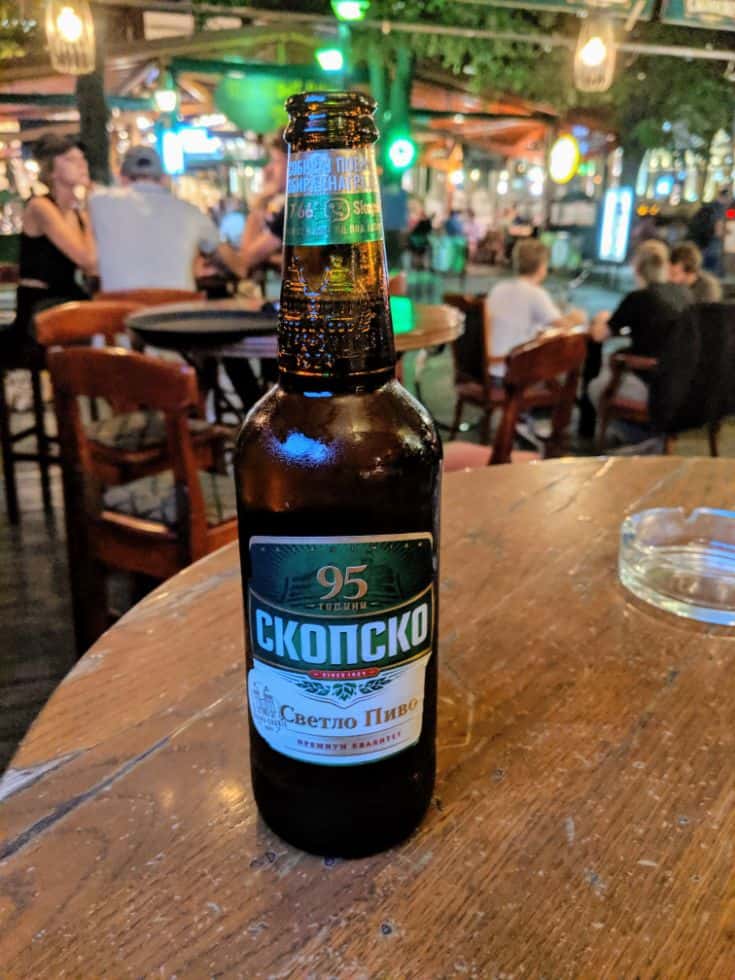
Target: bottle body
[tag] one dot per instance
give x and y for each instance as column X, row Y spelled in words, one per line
column 338, row 476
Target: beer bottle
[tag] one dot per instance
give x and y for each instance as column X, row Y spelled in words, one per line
column 338, row 473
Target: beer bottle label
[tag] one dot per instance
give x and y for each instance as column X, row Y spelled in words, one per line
column 332, row 198
column 341, row 633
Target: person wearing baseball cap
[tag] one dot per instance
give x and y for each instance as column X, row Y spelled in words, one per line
column 142, row 163
column 146, row 237
column 56, row 244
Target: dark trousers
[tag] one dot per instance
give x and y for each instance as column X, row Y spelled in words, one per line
column 247, row 386
column 587, row 412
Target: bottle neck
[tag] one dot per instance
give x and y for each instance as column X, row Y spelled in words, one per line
column 335, row 328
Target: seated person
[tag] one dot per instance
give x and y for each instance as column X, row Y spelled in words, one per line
column 685, row 268
column 56, row 242
column 646, row 313
column 147, row 237
column 520, row 308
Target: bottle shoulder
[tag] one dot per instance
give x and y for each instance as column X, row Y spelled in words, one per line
column 388, row 418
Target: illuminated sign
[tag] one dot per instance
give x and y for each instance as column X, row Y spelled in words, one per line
column 564, row 159
column 712, row 14
column 617, row 211
column 172, row 153
column 664, row 186
column 197, row 141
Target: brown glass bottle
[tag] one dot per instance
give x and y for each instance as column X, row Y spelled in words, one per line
column 338, row 477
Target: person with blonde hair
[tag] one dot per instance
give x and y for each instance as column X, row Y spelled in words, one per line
column 646, row 315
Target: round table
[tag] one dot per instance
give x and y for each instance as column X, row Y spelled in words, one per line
column 583, row 818
column 236, row 328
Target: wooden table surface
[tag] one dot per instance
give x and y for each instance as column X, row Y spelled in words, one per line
column 415, row 325
column 584, row 817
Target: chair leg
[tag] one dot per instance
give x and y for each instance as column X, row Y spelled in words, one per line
column 457, row 420
column 713, row 434
column 89, row 603
column 485, row 427
column 6, row 446
column 87, row 576
column 602, row 421
column 39, row 416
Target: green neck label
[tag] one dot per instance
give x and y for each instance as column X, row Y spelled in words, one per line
column 333, row 198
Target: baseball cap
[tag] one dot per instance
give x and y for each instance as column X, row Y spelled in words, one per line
column 142, row 161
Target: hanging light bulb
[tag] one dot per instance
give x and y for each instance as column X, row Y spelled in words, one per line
column 594, row 52
column 166, row 97
column 70, row 36
column 594, row 58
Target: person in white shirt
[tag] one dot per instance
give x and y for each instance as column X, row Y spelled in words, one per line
column 146, row 237
column 520, row 308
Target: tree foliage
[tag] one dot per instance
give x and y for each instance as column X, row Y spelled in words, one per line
column 654, row 101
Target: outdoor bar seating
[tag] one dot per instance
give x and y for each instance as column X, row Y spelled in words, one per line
column 367, row 533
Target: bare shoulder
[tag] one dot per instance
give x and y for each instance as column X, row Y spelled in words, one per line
column 39, row 211
column 36, row 215
column 39, row 206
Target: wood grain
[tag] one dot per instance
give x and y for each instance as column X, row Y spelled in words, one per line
column 585, row 811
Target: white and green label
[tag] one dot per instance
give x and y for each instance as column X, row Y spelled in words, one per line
column 341, row 632
column 333, row 197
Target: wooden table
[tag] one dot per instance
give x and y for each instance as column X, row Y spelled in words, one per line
column 202, row 327
column 584, row 816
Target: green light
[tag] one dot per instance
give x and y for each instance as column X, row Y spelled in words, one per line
column 350, row 9
column 402, row 152
column 330, row 59
column 402, row 314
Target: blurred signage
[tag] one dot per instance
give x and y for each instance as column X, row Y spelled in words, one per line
column 615, row 8
column 196, row 141
column 172, row 153
column 617, row 212
column 713, row 14
column 186, row 145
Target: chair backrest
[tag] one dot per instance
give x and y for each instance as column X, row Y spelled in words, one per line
column 147, row 382
column 693, row 385
column 398, row 284
column 471, row 350
column 553, row 361
column 152, row 297
column 74, row 323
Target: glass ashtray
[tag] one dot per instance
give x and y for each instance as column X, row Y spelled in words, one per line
column 681, row 564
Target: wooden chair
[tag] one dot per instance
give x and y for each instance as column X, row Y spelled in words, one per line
column 613, row 407
column 555, row 361
column 152, row 297
column 69, row 323
column 130, row 443
column 398, row 284
column 153, row 526
column 78, row 322
column 13, row 444
column 472, row 363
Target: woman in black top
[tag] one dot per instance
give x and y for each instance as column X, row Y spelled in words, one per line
column 56, row 241
column 647, row 313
